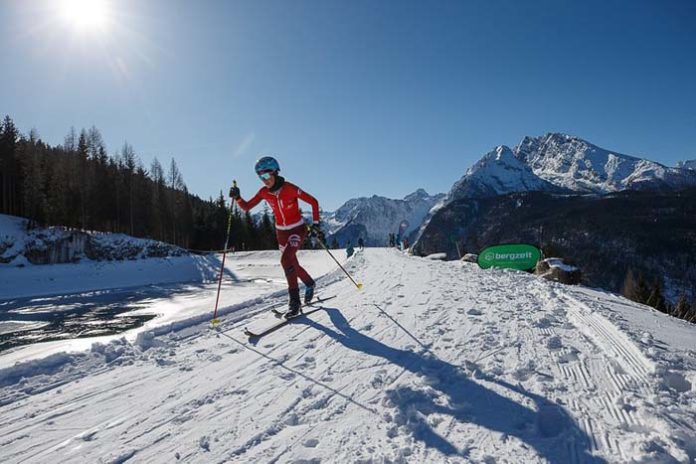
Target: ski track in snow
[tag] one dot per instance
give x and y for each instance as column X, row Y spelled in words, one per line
column 431, row 362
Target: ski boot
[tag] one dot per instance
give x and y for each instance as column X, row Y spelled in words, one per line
column 295, row 305
column 308, row 294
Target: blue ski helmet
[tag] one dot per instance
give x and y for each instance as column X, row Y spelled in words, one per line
column 267, row 163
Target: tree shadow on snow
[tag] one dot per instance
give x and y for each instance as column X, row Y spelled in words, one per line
column 547, row 428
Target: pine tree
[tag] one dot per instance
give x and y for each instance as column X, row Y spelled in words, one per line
column 83, row 157
column 267, row 231
column 682, row 309
column 175, row 184
column 629, row 286
column 692, row 316
column 129, row 161
column 158, row 199
column 642, row 290
column 252, row 242
column 656, row 299
column 34, row 201
column 95, row 180
column 9, row 168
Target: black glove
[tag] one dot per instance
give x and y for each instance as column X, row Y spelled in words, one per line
column 315, row 231
column 234, row 192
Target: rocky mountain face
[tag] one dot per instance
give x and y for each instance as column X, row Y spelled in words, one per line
column 577, row 165
column 374, row 218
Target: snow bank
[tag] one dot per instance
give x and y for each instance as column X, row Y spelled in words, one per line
column 90, row 275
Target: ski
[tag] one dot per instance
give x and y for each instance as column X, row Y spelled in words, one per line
column 281, row 313
column 252, row 333
column 215, row 323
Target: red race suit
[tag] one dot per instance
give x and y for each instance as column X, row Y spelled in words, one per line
column 290, row 225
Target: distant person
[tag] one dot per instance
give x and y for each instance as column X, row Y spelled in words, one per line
column 282, row 197
column 350, row 250
column 406, row 244
column 361, row 243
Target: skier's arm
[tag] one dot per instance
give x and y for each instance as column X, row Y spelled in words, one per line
column 247, row 205
column 307, row 198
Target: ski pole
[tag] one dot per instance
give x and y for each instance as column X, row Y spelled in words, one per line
column 215, row 320
column 360, row 286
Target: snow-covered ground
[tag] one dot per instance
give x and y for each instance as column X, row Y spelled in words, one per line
column 431, row 362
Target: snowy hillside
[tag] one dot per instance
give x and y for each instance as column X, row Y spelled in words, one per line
column 375, row 217
column 432, row 362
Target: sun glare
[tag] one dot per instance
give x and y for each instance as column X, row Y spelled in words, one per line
column 85, row 14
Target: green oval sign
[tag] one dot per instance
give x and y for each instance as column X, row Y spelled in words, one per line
column 521, row 257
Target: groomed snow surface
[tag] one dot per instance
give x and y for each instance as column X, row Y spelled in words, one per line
column 432, row 362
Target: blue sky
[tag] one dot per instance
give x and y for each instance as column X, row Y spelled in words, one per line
column 355, row 97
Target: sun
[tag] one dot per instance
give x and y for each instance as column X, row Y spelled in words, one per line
column 85, row 15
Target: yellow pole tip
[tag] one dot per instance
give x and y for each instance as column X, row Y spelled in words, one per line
column 360, row 286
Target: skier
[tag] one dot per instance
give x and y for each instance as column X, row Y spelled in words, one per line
column 350, row 250
column 291, row 229
column 361, row 243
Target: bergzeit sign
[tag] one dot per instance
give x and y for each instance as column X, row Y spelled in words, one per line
column 517, row 256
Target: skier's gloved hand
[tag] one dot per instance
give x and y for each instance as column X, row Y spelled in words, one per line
column 234, row 192
column 315, row 231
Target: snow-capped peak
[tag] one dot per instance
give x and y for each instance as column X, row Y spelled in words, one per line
column 575, row 164
column 417, row 195
column 498, row 172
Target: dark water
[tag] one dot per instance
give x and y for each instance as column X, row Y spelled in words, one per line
column 25, row 321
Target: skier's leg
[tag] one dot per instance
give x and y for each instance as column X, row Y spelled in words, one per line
column 301, row 272
column 288, row 261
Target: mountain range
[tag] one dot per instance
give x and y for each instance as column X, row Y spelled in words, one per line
column 374, row 218
column 560, row 163
column 553, row 163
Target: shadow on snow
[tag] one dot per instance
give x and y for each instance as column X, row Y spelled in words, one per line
column 547, row 428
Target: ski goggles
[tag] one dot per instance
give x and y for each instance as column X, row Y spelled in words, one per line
column 265, row 175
